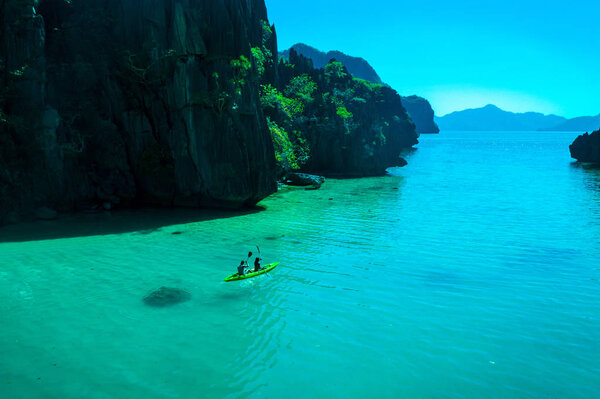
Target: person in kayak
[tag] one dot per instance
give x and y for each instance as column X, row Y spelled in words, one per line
column 241, row 268
column 257, row 264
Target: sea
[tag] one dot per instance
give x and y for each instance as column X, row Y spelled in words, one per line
column 473, row 272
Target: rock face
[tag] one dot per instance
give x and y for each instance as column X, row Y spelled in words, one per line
column 348, row 126
column 586, row 148
column 132, row 102
column 165, row 296
column 421, row 114
column 418, row 108
column 358, row 67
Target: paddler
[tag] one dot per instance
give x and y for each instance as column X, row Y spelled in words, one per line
column 257, row 264
column 241, row 268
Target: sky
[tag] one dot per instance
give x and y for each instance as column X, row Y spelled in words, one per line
column 526, row 55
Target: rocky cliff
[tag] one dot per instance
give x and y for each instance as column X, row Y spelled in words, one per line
column 418, row 108
column 586, row 148
column 132, row 102
column 326, row 121
column 421, row 114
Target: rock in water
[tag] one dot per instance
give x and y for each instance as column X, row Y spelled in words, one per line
column 165, row 296
column 303, row 179
column 586, row 148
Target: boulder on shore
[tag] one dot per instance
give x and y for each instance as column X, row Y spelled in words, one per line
column 165, row 296
column 586, row 148
column 304, row 179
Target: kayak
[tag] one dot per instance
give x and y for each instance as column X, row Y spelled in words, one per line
column 265, row 269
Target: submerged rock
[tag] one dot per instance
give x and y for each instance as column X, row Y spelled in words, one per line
column 165, row 296
column 303, row 180
column 586, row 148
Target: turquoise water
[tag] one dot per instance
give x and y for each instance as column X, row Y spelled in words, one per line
column 471, row 273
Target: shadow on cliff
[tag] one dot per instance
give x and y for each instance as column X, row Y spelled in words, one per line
column 143, row 221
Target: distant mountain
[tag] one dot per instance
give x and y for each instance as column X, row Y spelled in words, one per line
column 491, row 118
column 581, row 124
column 421, row 113
column 358, row 67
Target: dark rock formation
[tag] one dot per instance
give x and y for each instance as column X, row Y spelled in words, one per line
column 492, row 118
column 304, row 179
column 165, row 296
column 421, row 113
column 586, row 148
column 358, row 67
column 132, row 102
column 349, row 127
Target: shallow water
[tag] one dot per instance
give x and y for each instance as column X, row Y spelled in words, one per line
column 471, row 273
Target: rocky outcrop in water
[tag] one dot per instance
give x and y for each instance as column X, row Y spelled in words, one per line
column 586, row 148
column 165, row 296
column 132, row 102
column 326, row 122
column 304, row 179
column 421, row 113
column 418, row 108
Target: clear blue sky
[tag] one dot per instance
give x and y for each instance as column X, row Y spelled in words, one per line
column 526, row 55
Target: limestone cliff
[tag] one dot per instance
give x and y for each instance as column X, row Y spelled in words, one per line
column 132, row 102
column 325, row 121
column 586, row 148
column 418, row 108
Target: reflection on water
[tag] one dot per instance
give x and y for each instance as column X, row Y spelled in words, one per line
column 591, row 176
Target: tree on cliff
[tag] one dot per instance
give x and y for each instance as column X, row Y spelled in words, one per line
column 327, row 121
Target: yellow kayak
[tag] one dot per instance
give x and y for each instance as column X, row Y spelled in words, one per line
column 263, row 270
